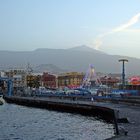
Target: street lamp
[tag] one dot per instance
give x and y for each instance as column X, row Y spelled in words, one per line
column 123, row 71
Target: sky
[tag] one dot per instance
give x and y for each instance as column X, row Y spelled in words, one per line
column 106, row 25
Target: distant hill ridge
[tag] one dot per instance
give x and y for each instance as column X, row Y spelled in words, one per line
column 73, row 59
column 48, row 68
column 85, row 48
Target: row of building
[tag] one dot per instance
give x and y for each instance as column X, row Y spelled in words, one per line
column 71, row 80
column 21, row 78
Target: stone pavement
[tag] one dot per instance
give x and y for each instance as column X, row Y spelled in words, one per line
column 133, row 127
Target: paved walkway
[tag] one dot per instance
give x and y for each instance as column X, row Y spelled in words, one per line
column 133, row 127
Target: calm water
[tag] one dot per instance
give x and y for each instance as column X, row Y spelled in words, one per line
column 24, row 123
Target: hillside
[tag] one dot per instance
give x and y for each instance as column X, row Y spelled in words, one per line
column 74, row 59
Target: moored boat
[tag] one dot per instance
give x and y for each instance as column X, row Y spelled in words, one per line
column 1, row 99
column 1, row 102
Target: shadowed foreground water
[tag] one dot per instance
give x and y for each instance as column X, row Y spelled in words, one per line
column 24, row 123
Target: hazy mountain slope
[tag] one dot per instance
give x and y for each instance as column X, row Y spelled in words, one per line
column 69, row 59
column 48, row 68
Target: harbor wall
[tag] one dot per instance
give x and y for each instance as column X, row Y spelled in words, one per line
column 102, row 112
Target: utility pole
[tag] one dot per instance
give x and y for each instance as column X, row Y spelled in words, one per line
column 123, row 71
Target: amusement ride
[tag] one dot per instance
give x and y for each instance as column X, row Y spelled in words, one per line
column 91, row 79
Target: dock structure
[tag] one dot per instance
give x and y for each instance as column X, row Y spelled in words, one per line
column 115, row 113
column 87, row 108
column 73, row 106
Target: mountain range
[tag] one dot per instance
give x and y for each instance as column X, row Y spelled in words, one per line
column 73, row 59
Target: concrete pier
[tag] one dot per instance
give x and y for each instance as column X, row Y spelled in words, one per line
column 104, row 110
column 133, row 127
column 64, row 105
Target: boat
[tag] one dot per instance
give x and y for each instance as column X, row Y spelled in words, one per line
column 1, row 102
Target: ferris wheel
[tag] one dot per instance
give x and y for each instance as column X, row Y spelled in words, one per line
column 90, row 77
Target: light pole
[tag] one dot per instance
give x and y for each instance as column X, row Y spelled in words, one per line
column 123, row 71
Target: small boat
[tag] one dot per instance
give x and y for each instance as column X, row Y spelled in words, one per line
column 1, row 100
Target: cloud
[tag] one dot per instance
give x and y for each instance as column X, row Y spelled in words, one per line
column 132, row 30
column 98, row 43
column 132, row 21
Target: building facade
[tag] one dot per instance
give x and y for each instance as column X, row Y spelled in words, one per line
column 70, row 80
column 33, row 80
column 49, row 80
column 18, row 76
column 109, row 81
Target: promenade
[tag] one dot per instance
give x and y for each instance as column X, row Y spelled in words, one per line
column 133, row 127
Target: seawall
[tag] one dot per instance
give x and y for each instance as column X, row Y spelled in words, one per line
column 62, row 105
column 104, row 110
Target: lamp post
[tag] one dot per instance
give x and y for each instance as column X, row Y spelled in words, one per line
column 123, row 71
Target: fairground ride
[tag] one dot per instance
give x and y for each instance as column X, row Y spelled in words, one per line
column 91, row 79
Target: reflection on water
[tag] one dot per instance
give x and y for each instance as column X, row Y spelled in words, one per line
column 24, row 123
